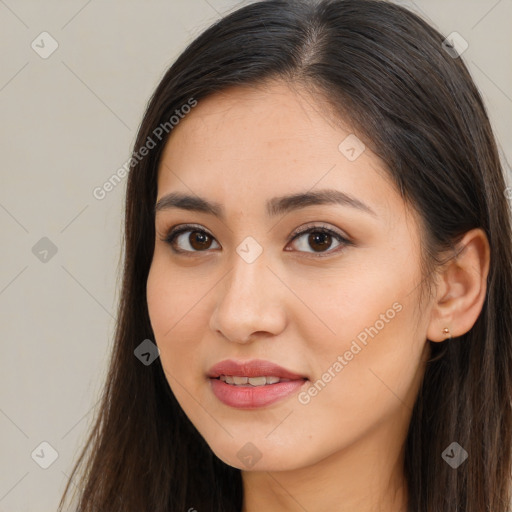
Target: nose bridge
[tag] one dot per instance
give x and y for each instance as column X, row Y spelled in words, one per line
column 246, row 302
column 249, row 270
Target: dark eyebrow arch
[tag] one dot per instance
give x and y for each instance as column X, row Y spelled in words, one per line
column 276, row 206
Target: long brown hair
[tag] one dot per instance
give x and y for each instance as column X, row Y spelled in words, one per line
column 415, row 105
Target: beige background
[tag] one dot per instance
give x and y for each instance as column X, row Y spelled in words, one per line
column 67, row 124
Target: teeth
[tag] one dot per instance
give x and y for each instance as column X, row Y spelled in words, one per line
column 251, row 381
column 257, row 381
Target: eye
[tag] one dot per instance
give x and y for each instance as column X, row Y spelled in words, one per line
column 320, row 238
column 194, row 239
column 197, row 241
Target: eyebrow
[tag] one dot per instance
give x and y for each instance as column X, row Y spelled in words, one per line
column 275, row 206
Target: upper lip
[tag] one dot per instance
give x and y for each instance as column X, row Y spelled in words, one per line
column 253, row 368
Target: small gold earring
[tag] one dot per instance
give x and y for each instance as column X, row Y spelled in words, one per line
column 447, row 331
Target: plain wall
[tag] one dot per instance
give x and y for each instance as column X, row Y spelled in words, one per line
column 67, row 124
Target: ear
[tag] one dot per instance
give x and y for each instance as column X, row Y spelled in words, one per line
column 461, row 288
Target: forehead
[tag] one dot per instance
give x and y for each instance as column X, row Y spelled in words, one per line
column 271, row 120
column 246, row 145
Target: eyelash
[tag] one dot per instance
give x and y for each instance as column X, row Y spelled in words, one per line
column 174, row 233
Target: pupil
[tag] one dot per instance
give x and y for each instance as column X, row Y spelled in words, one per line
column 321, row 239
column 198, row 239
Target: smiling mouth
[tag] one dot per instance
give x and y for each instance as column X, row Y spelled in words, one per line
column 235, row 380
column 252, row 384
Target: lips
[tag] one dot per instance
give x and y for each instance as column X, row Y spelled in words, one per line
column 252, row 384
column 254, row 368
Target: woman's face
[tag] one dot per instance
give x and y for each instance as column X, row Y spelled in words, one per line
column 340, row 314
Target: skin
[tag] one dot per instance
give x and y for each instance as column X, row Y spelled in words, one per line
column 343, row 450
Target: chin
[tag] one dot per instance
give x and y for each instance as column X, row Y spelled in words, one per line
column 255, row 455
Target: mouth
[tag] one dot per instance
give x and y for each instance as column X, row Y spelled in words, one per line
column 235, row 380
column 252, row 384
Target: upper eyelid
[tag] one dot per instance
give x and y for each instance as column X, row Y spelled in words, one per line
column 189, row 227
column 310, row 226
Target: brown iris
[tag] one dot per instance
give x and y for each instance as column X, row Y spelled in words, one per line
column 199, row 240
column 322, row 240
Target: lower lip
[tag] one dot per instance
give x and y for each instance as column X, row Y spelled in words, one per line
column 243, row 397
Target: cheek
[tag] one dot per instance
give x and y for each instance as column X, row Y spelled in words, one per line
column 171, row 296
column 370, row 369
column 161, row 303
column 369, row 346
column 173, row 304
column 164, row 311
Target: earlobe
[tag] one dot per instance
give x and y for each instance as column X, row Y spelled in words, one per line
column 447, row 332
column 461, row 289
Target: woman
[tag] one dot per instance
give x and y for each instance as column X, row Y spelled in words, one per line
column 315, row 312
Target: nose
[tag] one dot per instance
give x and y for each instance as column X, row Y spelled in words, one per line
column 249, row 303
